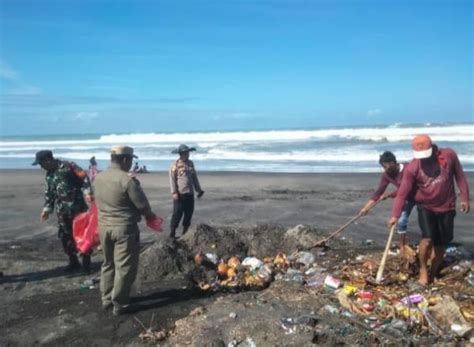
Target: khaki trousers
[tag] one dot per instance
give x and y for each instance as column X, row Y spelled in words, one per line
column 121, row 249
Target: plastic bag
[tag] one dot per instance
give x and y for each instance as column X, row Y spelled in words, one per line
column 305, row 258
column 85, row 230
column 155, row 223
column 252, row 262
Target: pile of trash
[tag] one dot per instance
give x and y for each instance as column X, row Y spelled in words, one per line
column 400, row 304
column 301, row 280
column 396, row 306
column 249, row 274
column 174, row 259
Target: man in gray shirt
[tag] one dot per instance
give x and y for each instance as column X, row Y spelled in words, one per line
column 121, row 202
column 183, row 182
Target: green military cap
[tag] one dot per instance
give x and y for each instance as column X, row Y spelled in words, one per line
column 42, row 156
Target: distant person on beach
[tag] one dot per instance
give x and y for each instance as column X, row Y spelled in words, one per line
column 92, row 168
column 136, row 168
column 393, row 173
column 121, row 202
column 68, row 187
column 432, row 172
column 183, row 181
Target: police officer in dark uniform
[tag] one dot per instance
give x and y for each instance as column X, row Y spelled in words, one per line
column 68, row 187
column 183, row 183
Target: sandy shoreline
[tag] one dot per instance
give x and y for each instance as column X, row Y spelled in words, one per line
column 41, row 305
column 324, row 201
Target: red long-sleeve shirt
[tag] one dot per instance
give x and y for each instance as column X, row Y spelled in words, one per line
column 385, row 180
column 434, row 181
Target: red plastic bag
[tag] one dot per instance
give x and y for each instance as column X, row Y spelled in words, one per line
column 85, row 230
column 155, row 223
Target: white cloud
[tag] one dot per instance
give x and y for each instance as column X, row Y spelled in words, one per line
column 86, row 116
column 17, row 86
column 374, row 112
column 24, row 89
column 7, row 72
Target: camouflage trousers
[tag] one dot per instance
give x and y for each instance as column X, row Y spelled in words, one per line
column 65, row 220
column 65, row 234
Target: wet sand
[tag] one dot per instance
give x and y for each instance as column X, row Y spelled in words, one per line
column 41, row 305
column 325, row 201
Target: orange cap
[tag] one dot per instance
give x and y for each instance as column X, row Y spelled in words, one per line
column 422, row 146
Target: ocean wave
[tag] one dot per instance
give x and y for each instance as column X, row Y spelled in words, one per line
column 459, row 133
column 218, row 155
column 312, row 156
column 391, row 134
column 310, row 150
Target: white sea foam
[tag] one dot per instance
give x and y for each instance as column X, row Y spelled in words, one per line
column 306, row 150
column 458, row 133
column 347, row 156
column 454, row 133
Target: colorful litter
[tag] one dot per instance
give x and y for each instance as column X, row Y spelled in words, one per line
column 446, row 308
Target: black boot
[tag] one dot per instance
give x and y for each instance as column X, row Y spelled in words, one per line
column 173, row 233
column 73, row 264
column 86, row 262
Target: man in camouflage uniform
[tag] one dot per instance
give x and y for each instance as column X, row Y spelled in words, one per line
column 66, row 186
column 183, row 182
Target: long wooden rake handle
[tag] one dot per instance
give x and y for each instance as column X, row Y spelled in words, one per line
column 341, row 229
column 385, row 254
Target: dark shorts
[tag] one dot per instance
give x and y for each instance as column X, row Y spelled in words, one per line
column 437, row 226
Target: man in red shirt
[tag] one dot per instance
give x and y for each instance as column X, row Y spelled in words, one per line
column 432, row 172
column 393, row 173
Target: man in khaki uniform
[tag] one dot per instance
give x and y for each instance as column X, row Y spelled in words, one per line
column 121, row 202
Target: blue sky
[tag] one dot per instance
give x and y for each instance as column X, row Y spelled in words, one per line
column 126, row 66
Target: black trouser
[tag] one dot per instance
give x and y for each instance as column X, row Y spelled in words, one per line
column 184, row 205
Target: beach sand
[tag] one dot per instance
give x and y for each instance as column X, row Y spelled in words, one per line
column 325, row 201
column 40, row 304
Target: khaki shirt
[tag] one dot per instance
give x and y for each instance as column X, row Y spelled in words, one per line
column 183, row 178
column 119, row 197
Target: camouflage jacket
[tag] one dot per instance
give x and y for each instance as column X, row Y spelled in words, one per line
column 65, row 187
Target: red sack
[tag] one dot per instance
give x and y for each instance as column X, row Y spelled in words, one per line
column 155, row 224
column 85, row 230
